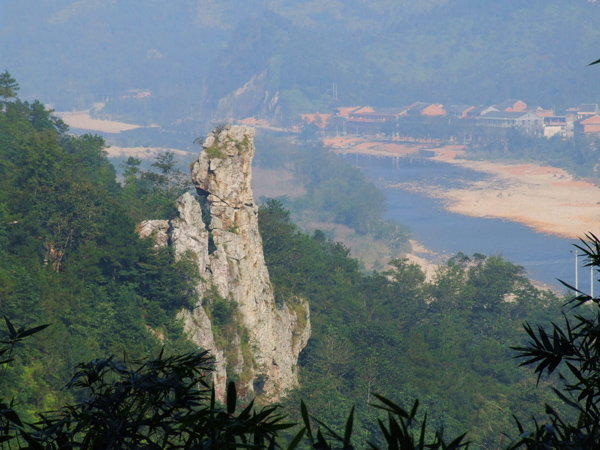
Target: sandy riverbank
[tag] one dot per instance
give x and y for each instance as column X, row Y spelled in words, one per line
column 426, row 259
column 404, row 147
column 142, row 152
column 82, row 120
column 546, row 199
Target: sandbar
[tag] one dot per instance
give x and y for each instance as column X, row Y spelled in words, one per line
column 82, row 120
column 142, row 152
column 547, row 199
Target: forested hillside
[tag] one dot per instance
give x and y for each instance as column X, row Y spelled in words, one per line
column 448, row 52
column 445, row 342
column 284, row 56
column 70, row 255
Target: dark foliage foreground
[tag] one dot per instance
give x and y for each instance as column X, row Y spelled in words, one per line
column 166, row 403
column 575, row 347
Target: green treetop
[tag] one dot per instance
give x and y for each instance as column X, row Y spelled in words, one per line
column 8, row 86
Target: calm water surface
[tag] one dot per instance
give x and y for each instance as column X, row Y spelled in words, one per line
column 544, row 257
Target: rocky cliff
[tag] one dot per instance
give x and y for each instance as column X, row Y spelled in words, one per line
column 253, row 99
column 255, row 341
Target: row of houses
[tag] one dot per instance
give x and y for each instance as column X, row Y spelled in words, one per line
column 511, row 113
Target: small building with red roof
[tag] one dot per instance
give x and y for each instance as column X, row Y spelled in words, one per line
column 511, row 105
column 426, row 109
column 591, row 125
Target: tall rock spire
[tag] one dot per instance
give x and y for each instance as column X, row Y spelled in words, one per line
column 262, row 340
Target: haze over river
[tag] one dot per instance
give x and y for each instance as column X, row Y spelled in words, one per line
column 545, row 257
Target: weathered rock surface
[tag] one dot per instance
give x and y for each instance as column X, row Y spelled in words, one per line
column 189, row 236
column 253, row 99
column 260, row 347
column 158, row 229
column 198, row 328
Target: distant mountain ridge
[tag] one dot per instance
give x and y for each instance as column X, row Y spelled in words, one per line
column 382, row 52
column 452, row 52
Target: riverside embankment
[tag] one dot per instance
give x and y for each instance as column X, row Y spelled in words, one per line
column 528, row 213
column 546, row 199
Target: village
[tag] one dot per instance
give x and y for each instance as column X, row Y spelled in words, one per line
column 395, row 122
column 546, row 198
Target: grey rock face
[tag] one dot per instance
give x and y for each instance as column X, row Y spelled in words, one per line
column 189, row 236
column 275, row 333
column 261, row 348
column 198, row 328
column 158, row 229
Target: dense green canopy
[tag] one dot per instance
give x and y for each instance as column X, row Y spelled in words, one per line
column 70, row 254
column 444, row 341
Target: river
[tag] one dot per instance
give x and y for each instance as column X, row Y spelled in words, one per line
column 546, row 258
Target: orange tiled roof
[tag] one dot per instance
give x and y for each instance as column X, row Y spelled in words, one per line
column 590, row 120
column 364, row 109
column 343, row 111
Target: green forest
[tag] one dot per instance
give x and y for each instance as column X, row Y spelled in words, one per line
column 70, row 257
column 445, row 342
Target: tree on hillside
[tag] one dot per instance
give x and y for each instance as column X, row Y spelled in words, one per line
column 156, row 190
column 8, row 86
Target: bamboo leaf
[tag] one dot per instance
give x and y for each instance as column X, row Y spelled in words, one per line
column 11, row 328
column 231, row 397
column 297, row 439
column 31, row 331
column 349, row 424
column 305, row 418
